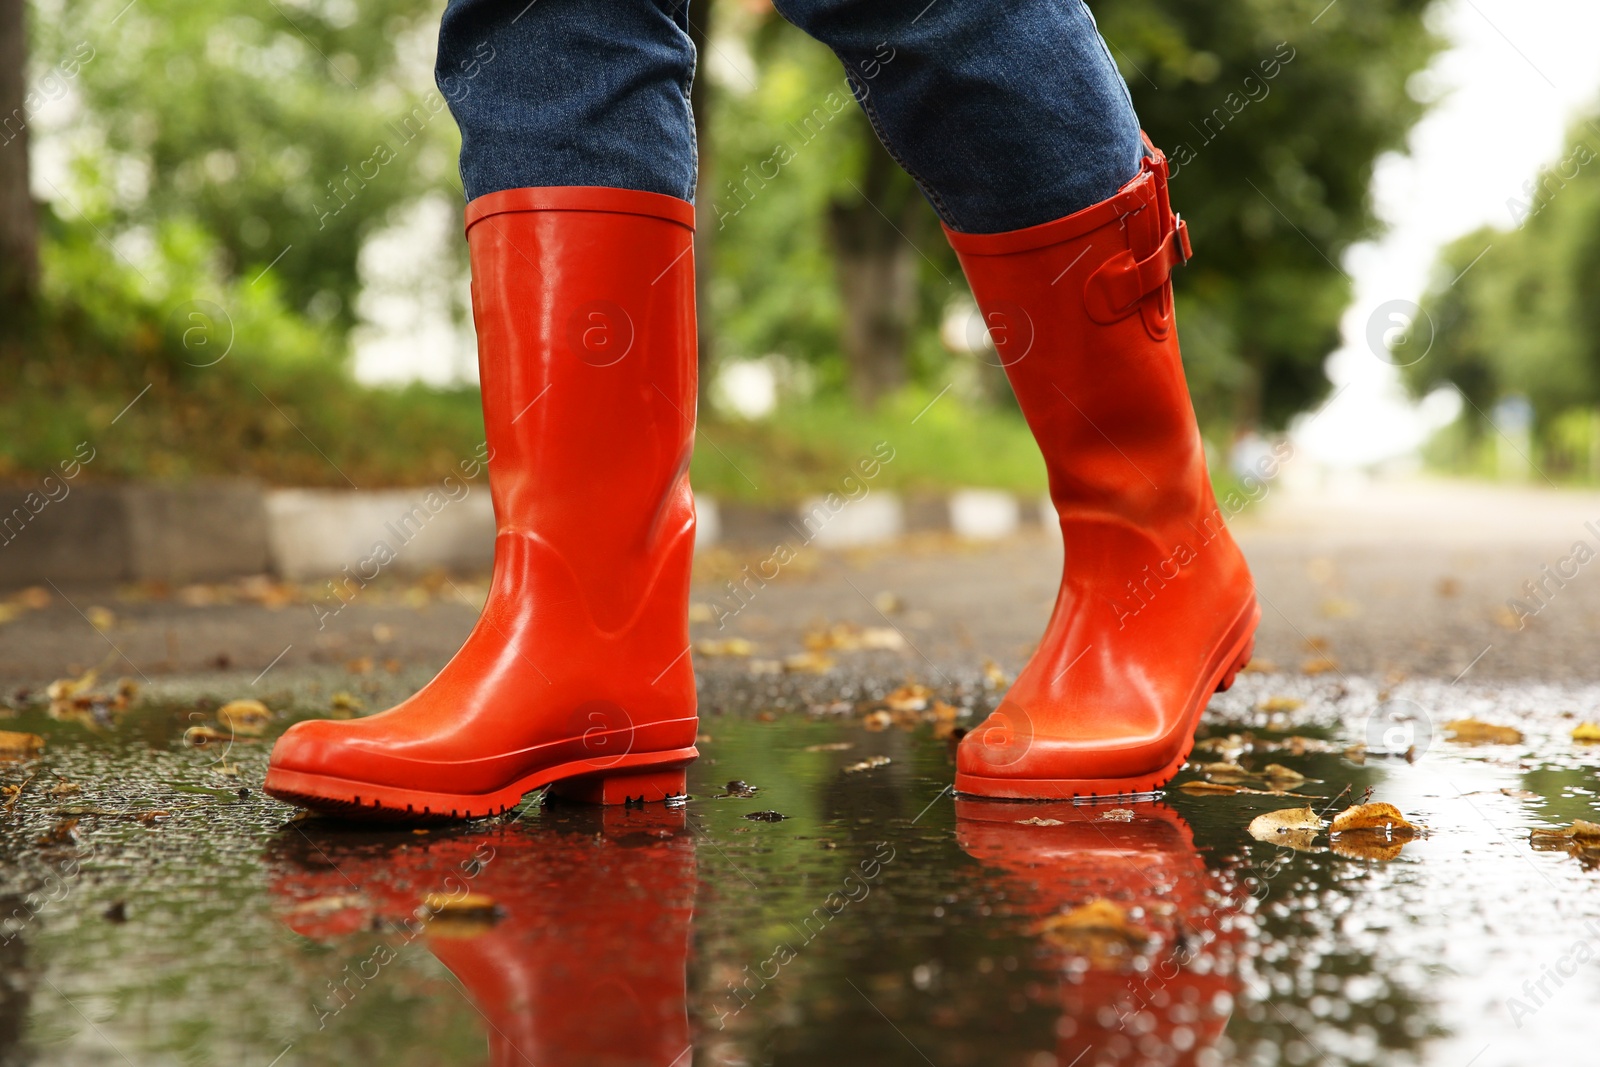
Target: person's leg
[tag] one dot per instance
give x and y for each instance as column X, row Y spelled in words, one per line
column 1021, row 132
column 578, row 162
column 1008, row 114
column 559, row 92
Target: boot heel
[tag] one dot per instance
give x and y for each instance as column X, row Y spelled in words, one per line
column 1238, row 665
column 623, row 787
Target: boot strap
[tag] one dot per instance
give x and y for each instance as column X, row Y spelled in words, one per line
column 1114, row 291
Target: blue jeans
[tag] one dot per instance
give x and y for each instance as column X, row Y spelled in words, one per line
column 1008, row 113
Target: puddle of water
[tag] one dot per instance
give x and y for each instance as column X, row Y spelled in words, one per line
column 880, row 921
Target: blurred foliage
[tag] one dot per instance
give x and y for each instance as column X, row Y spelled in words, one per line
column 1273, row 118
column 244, row 155
column 173, row 375
column 1273, row 113
column 1513, row 312
column 289, row 129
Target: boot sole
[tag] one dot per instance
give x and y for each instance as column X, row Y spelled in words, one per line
column 637, row 778
column 1234, row 654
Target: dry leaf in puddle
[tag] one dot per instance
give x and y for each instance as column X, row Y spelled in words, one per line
column 1521, row 794
column 870, row 763
column 200, row 736
column 1476, row 732
column 1586, row 732
column 1199, row 786
column 1036, row 821
column 1385, row 818
column 1356, row 754
column 1578, row 831
column 1319, row 665
column 1283, row 777
column 1367, row 846
column 1099, row 931
column 1229, row 746
column 17, row 745
column 248, row 718
column 1298, row 745
column 345, row 703
column 878, row 720
column 1272, row 704
column 1580, row 840
column 1117, row 815
column 1294, row 827
column 831, row 746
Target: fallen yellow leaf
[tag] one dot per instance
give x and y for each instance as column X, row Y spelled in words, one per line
column 1373, row 817
column 727, row 646
column 1294, row 827
column 15, row 745
column 1100, row 931
column 1586, row 731
column 248, row 718
column 1475, row 732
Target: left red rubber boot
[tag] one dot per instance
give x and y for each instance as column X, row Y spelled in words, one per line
column 1156, row 610
column 578, row 671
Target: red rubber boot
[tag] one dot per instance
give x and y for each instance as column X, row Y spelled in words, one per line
column 1157, row 610
column 569, row 931
column 578, row 672
column 1147, row 946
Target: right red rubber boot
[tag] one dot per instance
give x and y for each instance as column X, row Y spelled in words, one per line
column 578, row 672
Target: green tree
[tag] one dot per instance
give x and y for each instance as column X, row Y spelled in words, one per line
column 1513, row 310
column 286, row 130
column 1273, row 114
column 19, row 218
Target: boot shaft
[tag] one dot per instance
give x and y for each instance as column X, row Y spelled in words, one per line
column 583, row 299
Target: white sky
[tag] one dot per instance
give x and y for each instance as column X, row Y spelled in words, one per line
column 1514, row 77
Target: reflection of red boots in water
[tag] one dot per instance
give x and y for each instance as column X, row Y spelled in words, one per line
column 1127, row 910
column 1156, row 609
column 578, row 671
column 569, row 933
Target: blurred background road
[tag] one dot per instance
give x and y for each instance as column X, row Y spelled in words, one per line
column 1382, row 581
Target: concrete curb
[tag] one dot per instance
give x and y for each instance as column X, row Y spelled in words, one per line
column 218, row 530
